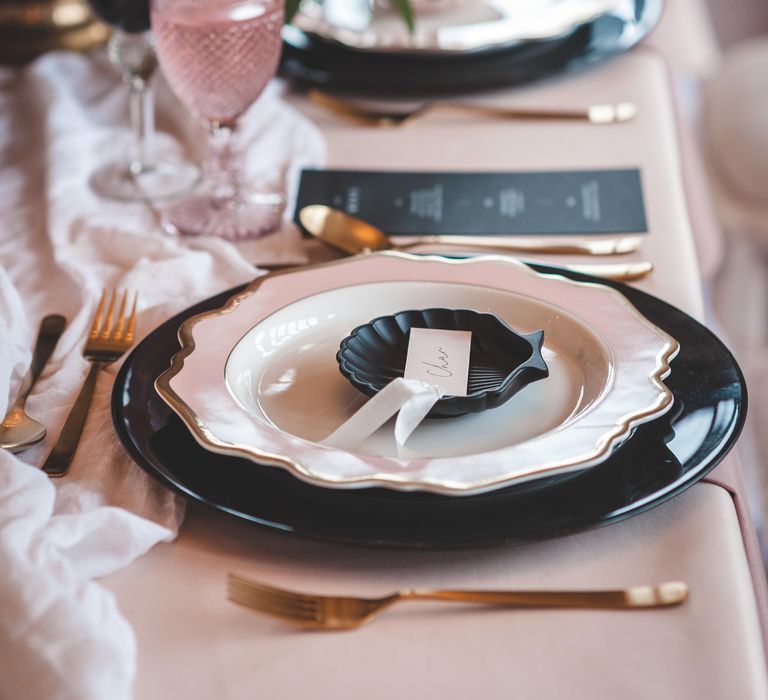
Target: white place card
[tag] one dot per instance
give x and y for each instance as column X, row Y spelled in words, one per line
column 439, row 357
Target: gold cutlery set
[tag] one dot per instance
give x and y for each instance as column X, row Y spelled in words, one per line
column 111, row 334
column 353, row 236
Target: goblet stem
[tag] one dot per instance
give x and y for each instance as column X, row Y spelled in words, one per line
column 140, row 174
column 134, row 57
column 226, row 207
column 142, row 116
column 222, row 171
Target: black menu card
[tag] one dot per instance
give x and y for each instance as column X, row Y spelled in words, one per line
column 496, row 203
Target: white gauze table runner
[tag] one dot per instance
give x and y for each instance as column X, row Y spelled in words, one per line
column 61, row 634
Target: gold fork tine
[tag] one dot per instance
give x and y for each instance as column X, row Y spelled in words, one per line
column 259, row 592
column 120, row 318
column 132, row 320
column 273, row 608
column 288, row 604
column 250, row 585
column 96, row 325
column 106, row 329
column 306, row 610
column 283, row 605
column 279, row 608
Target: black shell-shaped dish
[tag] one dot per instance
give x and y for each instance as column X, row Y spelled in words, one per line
column 501, row 360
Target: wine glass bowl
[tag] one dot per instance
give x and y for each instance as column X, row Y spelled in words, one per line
column 219, row 59
column 218, row 56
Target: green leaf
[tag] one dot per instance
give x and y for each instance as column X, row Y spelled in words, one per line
column 403, row 8
column 291, row 8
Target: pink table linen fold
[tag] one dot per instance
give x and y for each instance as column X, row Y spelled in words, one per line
column 62, row 635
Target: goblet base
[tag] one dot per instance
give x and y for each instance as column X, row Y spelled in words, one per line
column 165, row 179
column 241, row 219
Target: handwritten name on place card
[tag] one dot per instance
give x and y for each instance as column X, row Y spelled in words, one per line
column 439, row 357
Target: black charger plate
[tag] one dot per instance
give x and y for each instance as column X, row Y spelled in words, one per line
column 659, row 460
column 318, row 62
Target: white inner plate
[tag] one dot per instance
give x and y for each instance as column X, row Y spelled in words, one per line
column 284, row 370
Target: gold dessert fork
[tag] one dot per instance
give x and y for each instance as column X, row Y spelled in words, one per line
column 321, row 612
column 111, row 335
column 372, row 116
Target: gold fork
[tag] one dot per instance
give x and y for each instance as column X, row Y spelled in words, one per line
column 111, row 335
column 343, row 612
column 370, row 116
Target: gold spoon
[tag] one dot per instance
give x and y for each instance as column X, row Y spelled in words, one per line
column 354, row 236
column 18, row 431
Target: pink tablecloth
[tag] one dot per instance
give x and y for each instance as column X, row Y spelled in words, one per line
column 192, row 641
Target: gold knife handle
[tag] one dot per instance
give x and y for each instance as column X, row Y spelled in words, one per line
column 58, row 461
column 515, row 112
column 608, row 246
column 663, row 595
column 596, row 114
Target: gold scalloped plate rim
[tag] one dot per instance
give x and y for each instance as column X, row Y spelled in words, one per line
column 602, row 449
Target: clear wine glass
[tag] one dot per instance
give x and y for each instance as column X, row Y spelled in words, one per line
column 218, row 56
column 141, row 175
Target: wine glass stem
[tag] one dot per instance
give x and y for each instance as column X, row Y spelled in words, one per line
column 134, row 57
column 142, row 116
column 221, row 168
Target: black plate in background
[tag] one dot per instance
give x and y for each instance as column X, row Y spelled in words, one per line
column 660, row 459
column 318, row 62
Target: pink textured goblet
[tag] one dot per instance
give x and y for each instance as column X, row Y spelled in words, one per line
column 218, row 56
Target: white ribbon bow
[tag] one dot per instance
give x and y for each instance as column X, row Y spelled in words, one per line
column 411, row 397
